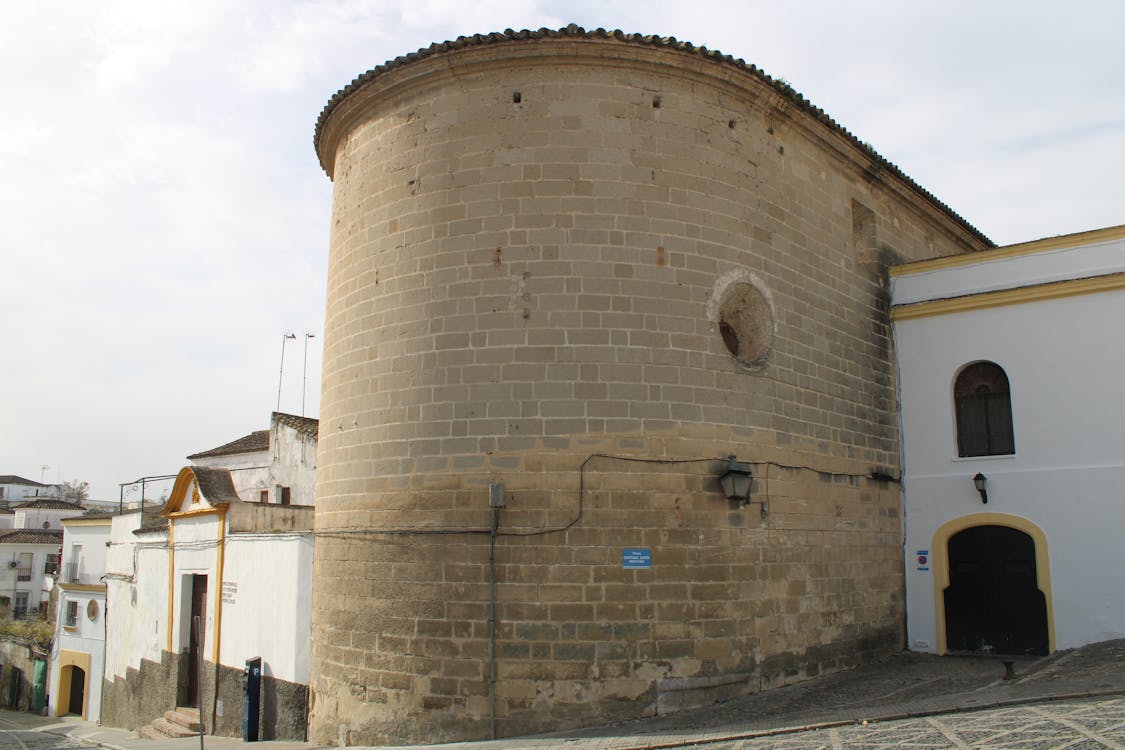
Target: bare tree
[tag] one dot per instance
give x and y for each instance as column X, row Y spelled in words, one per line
column 74, row 491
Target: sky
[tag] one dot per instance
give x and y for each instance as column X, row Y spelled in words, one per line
column 164, row 220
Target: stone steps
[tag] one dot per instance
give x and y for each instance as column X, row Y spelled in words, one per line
column 183, row 722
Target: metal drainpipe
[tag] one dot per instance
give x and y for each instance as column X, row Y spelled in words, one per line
column 492, row 622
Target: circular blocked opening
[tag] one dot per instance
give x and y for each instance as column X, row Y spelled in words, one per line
column 746, row 323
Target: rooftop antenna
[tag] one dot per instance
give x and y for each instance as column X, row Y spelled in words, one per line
column 281, row 373
column 305, row 371
column 43, row 473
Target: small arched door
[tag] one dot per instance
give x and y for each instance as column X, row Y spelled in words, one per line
column 77, row 690
column 993, row 603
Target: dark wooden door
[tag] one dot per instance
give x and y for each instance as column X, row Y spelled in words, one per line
column 198, row 623
column 77, row 690
column 993, row 603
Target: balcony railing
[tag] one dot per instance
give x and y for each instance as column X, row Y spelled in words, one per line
column 74, row 572
column 23, row 574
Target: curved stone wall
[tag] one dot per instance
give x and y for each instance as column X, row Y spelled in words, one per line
column 590, row 269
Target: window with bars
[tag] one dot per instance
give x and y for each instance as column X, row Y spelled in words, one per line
column 23, row 573
column 19, row 606
column 71, row 614
column 984, row 411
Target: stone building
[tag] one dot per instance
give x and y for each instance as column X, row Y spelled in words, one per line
column 571, row 273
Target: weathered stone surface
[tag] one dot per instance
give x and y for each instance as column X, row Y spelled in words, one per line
column 147, row 693
column 519, row 283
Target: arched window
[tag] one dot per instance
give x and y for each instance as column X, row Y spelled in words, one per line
column 984, row 411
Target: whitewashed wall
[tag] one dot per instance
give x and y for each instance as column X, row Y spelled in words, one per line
column 88, row 637
column 196, row 553
column 42, row 518
column 267, row 601
column 92, row 539
column 1064, row 359
column 136, row 592
column 293, row 463
column 250, row 472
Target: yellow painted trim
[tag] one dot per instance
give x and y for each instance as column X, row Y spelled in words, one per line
column 209, row 511
column 171, row 578
column 1047, row 244
column 80, row 521
column 99, row 587
column 221, row 554
column 62, row 681
column 1020, row 295
column 940, row 556
column 184, row 481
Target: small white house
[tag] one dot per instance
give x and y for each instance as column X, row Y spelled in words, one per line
column 277, row 465
column 78, row 650
column 1009, row 369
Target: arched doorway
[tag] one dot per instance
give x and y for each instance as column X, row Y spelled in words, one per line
column 992, row 586
column 77, row 690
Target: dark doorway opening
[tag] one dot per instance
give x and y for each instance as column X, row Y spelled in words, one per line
column 993, row 603
column 197, row 621
column 77, row 690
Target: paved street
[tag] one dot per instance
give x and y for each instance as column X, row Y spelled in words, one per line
column 1071, row 700
column 1076, row 725
column 15, row 736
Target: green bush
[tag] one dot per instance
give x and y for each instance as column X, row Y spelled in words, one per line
column 37, row 629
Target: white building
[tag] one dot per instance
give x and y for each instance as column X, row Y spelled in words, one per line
column 240, row 570
column 78, row 650
column 45, row 513
column 1009, row 366
column 277, row 465
column 15, row 489
column 28, row 557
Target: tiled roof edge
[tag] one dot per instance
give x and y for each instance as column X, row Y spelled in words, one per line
column 305, row 425
column 255, row 442
column 649, row 40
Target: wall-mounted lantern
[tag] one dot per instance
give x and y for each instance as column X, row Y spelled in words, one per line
column 737, row 482
column 980, row 481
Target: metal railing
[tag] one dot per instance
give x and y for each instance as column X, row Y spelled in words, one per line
column 73, row 572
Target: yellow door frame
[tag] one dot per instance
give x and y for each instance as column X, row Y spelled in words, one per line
column 940, row 551
column 67, row 661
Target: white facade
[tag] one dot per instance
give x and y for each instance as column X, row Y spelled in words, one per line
column 250, row 569
column 293, row 458
column 250, row 471
column 14, row 489
column 28, row 559
column 1048, row 314
column 78, row 651
column 267, row 580
column 272, row 466
column 137, row 592
column 45, row 514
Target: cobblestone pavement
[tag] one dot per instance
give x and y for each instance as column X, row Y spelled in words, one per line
column 1071, row 700
column 11, row 739
column 1074, row 725
column 14, row 736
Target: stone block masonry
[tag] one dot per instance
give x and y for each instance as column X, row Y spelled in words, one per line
column 590, row 267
